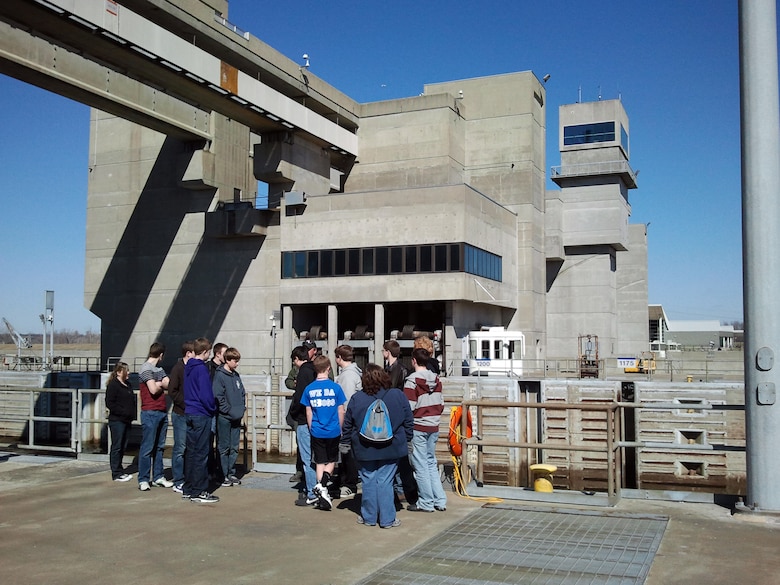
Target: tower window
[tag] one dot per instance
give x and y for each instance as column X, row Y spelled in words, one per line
column 589, row 133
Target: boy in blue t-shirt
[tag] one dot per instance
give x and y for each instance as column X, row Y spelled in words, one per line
column 324, row 401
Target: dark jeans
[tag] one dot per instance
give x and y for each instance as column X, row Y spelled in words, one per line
column 196, row 455
column 120, row 432
column 408, row 482
column 228, row 438
column 154, row 424
column 179, row 423
column 348, row 471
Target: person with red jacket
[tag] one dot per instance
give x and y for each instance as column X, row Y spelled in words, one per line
column 154, row 420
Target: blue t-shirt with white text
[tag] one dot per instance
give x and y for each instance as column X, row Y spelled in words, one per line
column 324, row 397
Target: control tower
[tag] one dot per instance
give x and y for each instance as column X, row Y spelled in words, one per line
column 588, row 235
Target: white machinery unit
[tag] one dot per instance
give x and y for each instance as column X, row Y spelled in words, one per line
column 494, row 351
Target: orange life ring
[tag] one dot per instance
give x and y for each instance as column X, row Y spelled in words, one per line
column 455, row 438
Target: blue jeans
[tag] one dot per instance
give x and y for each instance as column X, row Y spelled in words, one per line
column 120, row 432
column 228, row 437
column 196, row 454
column 154, row 425
column 426, row 471
column 378, row 502
column 179, row 422
column 303, row 435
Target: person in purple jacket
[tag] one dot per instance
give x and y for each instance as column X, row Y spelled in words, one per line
column 200, row 408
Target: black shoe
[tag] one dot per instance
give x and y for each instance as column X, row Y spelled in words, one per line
column 304, row 501
column 415, row 508
column 205, row 498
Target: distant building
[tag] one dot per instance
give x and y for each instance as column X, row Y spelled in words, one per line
column 688, row 334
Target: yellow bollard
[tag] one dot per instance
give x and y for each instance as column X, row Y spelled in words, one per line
column 543, row 477
column 689, row 378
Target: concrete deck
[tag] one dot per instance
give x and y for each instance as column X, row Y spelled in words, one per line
column 65, row 522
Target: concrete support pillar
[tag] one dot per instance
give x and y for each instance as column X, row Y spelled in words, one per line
column 761, row 241
column 333, row 335
column 453, row 352
column 287, row 340
column 379, row 333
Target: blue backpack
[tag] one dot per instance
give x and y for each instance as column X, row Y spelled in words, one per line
column 377, row 430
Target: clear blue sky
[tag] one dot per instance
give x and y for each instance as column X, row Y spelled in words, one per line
column 674, row 64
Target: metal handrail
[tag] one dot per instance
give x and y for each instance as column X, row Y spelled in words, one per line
column 256, row 422
column 30, row 418
column 613, row 452
column 593, row 168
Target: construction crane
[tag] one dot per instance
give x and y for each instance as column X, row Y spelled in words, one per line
column 21, row 342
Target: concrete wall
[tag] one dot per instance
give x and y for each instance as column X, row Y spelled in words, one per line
column 151, row 273
column 632, row 284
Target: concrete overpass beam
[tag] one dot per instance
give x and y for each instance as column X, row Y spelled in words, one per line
column 288, row 161
column 39, row 62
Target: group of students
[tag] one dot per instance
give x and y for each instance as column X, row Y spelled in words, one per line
column 208, row 399
column 327, row 416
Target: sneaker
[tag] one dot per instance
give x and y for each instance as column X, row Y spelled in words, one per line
column 205, row 498
column 395, row 523
column 296, row 477
column 323, row 497
column 306, row 501
column 123, row 477
column 440, row 508
column 346, row 492
column 178, row 488
column 360, row 520
column 416, row 508
column 144, row 486
column 234, row 480
column 162, row 482
column 186, row 497
column 227, row 483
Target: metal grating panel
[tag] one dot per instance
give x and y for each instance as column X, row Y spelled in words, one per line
column 516, row 544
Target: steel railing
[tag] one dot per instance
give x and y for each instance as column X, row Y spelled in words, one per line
column 610, row 447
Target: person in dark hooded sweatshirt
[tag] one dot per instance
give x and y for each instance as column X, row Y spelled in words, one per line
column 231, row 404
column 200, row 407
column 297, row 412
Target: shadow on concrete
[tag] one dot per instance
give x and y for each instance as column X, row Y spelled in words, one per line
column 212, row 279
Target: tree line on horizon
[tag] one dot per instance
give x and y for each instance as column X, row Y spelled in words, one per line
column 61, row 337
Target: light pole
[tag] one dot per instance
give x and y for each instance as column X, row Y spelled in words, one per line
column 272, row 317
column 49, row 320
column 760, row 237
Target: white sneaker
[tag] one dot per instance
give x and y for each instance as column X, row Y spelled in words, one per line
column 162, row 482
column 346, row 492
column 144, row 486
column 323, row 497
column 177, row 488
column 123, row 477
